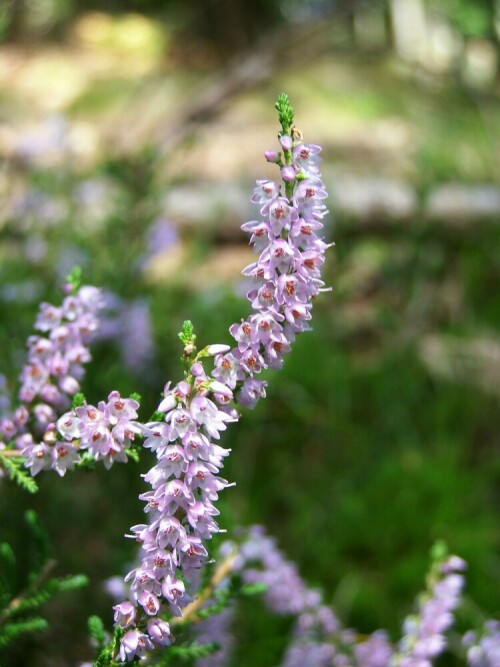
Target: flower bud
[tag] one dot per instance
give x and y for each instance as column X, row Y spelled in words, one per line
column 286, row 142
column 212, row 350
column 288, row 173
column 168, row 403
column 272, row 156
column 197, row 370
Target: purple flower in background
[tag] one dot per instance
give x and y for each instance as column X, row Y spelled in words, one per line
column 161, row 235
column 47, row 143
column 216, row 629
column 4, row 396
column 423, row 638
column 50, row 378
column 376, row 651
column 136, row 339
column 483, row 648
column 318, row 639
column 129, row 323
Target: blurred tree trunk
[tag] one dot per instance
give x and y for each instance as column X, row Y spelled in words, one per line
column 409, row 28
column 16, row 13
column 234, row 25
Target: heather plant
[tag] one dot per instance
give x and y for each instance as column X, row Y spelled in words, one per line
column 178, row 600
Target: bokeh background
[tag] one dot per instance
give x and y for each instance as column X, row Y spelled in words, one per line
column 131, row 134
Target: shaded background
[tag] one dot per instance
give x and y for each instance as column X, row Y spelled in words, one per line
column 131, row 134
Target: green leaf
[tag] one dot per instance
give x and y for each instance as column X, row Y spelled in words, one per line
column 439, row 551
column 286, row 112
column 75, row 278
column 11, row 631
column 78, row 400
column 136, row 397
column 41, row 540
column 7, row 573
column 50, row 589
column 96, row 630
column 105, row 657
column 133, row 454
column 253, row 589
column 18, row 474
column 187, row 652
column 187, row 334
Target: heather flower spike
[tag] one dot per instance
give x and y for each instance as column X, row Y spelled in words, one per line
column 185, row 482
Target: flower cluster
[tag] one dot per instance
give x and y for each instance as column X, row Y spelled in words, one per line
column 184, row 486
column 286, row 276
column 424, row 638
column 105, row 432
column 185, row 482
column 483, row 649
column 318, row 637
column 319, row 640
column 55, row 366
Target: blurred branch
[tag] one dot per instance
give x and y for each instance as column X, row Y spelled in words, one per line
column 224, row 570
column 291, row 44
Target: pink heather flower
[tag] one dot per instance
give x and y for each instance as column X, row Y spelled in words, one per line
column 124, row 614
column 159, row 631
column 106, row 431
column 134, row 643
column 286, row 276
column 306, row 158
column 38, row 457
column 64, row 457
column 53, row 372
column 288, row 174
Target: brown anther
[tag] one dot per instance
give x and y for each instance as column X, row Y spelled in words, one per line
column 267, row 295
